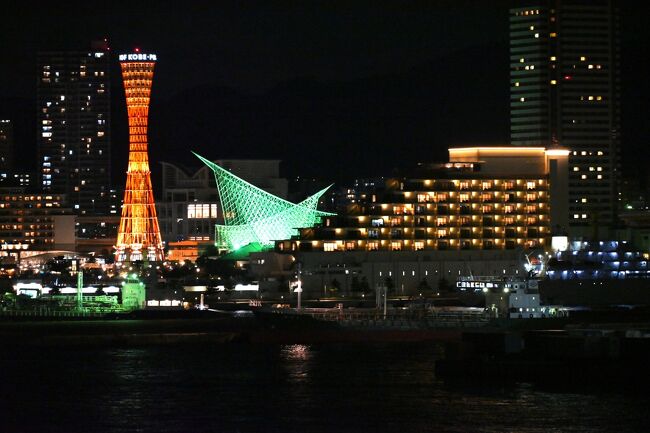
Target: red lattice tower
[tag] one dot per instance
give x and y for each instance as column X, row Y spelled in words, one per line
column 138, row 237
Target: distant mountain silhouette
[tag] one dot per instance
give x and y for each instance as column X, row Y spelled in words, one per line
column 342, row 130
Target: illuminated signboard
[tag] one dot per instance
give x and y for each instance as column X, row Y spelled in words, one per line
column 137, row 57
column 474, row 284
column 477, row 285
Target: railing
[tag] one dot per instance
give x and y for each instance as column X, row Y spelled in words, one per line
column 44, row 312
column 403, row 319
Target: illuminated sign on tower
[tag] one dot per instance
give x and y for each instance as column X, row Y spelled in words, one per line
column 138, row 237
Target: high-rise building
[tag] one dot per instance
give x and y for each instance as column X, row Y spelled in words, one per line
column 138, row 237
column 564, row 81
column 74, row 134
column 6, row 146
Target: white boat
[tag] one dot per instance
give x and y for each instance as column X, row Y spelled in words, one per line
column 519, row 296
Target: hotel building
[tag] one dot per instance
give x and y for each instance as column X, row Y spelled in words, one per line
column 484, row 198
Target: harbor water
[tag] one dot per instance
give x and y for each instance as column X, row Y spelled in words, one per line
column 241, row 387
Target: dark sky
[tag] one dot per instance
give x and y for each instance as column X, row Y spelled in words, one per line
column 331, row 88
column 253, row 45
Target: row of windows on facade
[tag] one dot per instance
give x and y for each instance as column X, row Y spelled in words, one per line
column 194, row 210
column 23, row 244
column 28, row 198
column 465, row 197
column 580, row 58
column 466, row 232
column 582, row 98
column 421, row 245
column 47, row 73
column 484, row 185
column 496, row 208
column 457, row 221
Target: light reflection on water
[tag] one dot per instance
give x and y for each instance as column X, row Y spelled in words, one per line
column 302, row 388
column 296, row 362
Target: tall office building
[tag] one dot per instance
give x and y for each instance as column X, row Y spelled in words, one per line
column 74, row 138
column 564, row 81
column 6, row 146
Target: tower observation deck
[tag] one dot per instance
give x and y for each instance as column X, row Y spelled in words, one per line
column 138, row 237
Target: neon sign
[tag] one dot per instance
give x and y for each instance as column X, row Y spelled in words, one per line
column 137, row 56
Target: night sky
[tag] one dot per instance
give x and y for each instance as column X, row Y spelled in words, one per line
column 336, row 90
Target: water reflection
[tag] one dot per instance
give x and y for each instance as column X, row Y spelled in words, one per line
column 297, row 360
column 243, row 387
column 293, row 352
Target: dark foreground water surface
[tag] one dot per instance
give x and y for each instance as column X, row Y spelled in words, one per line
column 246, row 388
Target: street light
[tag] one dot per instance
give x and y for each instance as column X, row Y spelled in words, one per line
column 298, row 289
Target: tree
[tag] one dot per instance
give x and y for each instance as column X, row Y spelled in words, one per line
column 334, row 287
column 443, row 285
column 364, row 286
column 283, row 284
column 388, row 282
column 210, row 250
column 424, row 286
column 355, row 285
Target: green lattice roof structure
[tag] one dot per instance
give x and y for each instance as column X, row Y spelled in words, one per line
column 252, row 215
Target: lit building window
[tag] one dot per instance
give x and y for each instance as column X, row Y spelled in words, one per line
column 329, row 246
column 202, row 210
